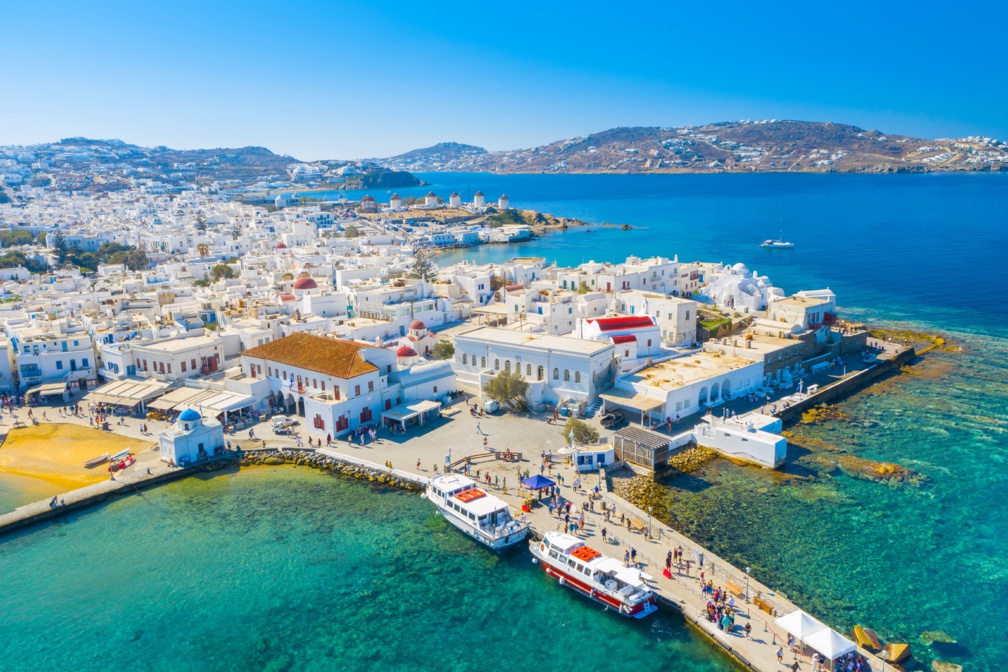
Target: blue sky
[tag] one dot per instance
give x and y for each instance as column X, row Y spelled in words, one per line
column 359, row 79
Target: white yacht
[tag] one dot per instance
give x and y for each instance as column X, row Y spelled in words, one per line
column 779, row 244
column 605, row 580
column 485, row 518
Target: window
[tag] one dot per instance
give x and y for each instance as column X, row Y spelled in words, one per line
column 482, row 362
column 169, row 367
column 388, row 368
column 323, row 386
column 507, row 365
column 370, row 386
column 435, row 389
column 687, row 314
column 649, row 342
column 566, row 375
column 465, row 359
column 356, row 390
column 528, row 370
column 577, row 376
column 540, row 373
column 193, row 364
column 556, row 374
column 251, row 368
column 269, row 371
column 76, row 342
column 59, row 364
column 496, row 364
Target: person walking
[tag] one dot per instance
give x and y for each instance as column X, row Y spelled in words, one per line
column 603, row 535
column 478, row 430
column 780, row 655
column 748, row 630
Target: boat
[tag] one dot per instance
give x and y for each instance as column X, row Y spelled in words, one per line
column 598, row 577
column 95, row 461
column 867, row 639
column 485, row 518
column 779, row 244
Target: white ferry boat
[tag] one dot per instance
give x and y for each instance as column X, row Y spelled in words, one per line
column 598, row 577
column 479, row 514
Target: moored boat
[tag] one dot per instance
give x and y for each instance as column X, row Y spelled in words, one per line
column 598, row 577
column 95, row 461
column 485, row 518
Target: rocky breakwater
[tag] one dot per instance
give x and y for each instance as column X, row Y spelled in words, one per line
column 309, row 458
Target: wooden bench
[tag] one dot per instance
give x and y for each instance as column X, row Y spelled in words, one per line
column 764, row 606
column 734, row 589
column 637, row 525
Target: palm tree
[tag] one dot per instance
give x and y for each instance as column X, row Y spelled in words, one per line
column 203, row 250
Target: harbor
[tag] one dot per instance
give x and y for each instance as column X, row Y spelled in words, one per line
column 409, row 462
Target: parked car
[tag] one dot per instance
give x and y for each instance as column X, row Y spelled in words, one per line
column 490, row 406
column 612, row 419
column 282, row 430
column 283, row 422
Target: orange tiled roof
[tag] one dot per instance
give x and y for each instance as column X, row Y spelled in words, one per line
column 337, row 358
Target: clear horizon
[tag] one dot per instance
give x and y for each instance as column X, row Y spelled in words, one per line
column 350, row 80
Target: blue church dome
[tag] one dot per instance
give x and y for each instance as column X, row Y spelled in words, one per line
column 190, row 415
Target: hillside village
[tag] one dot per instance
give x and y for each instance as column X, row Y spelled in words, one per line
column 338, row 314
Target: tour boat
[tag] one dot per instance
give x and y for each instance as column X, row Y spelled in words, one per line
column 479, row 514
column 598, row 577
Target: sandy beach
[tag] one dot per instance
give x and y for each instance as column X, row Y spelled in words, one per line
column 56, row 452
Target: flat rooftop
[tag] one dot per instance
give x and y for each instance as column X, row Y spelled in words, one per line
column 682, row 371
column 799, row 302
column 181, row 344
column 496, row 335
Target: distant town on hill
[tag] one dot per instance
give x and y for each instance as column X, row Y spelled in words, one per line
column 738, row 146
column 95, row 166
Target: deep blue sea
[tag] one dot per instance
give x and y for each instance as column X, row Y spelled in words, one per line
column 287, row 569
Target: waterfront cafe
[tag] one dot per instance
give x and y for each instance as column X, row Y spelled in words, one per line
column 232, row 409
column 128, row 395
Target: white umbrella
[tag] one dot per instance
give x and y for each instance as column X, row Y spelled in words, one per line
column 830, row 643
column 799, row 624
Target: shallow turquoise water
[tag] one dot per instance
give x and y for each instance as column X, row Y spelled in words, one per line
column 292, row 569
column 901, row 559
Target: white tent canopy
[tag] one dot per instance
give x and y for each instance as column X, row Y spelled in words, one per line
column 800, row 624
column 830, row 643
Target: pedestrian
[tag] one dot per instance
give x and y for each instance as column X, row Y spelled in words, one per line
column 328, row 440
column 603, row 535
column 633, row 555
column 668, row 561
column 626, row 558
column 748, row 630
column 780, row 655
column 478, row 430
column 418, row 464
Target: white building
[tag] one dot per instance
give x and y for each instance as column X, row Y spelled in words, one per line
column 676, row 317
column 190, row 439
column 555, row 367
column 178, row 358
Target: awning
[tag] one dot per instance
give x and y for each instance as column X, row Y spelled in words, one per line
column 127, row 392
column 181, row 396
column 632, row 400
column 537, row 482
column 800, row 624
column 830, row 643
column 48, row 389
column 404, row 412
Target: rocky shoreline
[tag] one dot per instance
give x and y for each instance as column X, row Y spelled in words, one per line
column 309, row 458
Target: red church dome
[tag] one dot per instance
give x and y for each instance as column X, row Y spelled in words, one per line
column 280, row 246
column 417, row 325
column 405, row 351
column 305, row 282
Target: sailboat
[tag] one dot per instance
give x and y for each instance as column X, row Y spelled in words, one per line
column 780, row 243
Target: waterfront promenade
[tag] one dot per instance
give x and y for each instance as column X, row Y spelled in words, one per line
column 460, row 435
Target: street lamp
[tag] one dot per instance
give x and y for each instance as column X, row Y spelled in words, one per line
column 747, row 585
column 649, row 510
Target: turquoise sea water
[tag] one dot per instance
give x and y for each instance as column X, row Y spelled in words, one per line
column 257, row 571
column 276, row 569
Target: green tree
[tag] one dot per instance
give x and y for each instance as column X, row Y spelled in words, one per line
column 60, row 247
column 15, row 237
column 584, row 434
column 508, row 389
column 40, row 239
column 222, row 271
column 423, row 268
column 583, row 288
column 443, row 349
column 351, row 232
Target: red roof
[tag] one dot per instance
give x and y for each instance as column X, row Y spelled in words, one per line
column 625, row 322
column 514, row 288
column 305, row 283
column 281, row 246
column 628, row 338
column 405, row 351
column 417, row 325
column 287, row 297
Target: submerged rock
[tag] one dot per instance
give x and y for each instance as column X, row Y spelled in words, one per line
column 940, row 636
